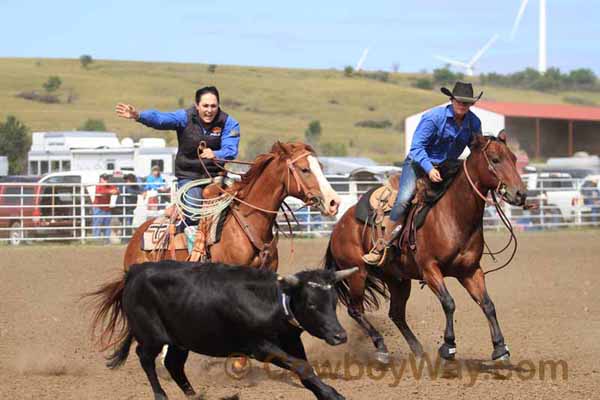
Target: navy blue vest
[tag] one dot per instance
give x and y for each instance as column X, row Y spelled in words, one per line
column 187, row 165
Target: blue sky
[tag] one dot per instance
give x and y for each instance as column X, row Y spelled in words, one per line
column 303, row 34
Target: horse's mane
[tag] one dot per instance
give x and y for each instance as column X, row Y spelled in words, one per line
column 261, row 162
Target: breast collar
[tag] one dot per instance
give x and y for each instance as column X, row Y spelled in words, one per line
column 285, row 302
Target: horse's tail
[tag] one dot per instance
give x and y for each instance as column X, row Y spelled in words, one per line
column 342, row 288
column 374, row 286
column 109, row 320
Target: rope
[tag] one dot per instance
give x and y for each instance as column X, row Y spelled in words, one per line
column 194, row 208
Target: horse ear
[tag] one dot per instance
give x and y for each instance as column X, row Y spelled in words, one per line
column 308, row 147
column 477, row 142
column 286, row 149
column 276, row 147
column 502, row 136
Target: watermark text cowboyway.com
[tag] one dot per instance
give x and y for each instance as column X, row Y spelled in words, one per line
column 351, row 368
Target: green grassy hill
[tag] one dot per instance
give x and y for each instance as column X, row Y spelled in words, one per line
column 270, row 103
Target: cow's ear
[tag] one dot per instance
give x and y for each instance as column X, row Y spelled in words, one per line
column 290, row 280
column 341, row 275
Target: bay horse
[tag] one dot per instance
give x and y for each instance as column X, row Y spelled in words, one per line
column 289, row 169
column 449, row 244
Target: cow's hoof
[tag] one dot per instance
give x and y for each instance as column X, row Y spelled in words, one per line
column 234, row 397
column 382, row 357
column 447, row 352
column 160, row 396
column 501, row 353
column 333, row 395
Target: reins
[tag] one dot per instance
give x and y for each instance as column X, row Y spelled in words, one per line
column 290, row 164
column 501, row 214
column 291, row 169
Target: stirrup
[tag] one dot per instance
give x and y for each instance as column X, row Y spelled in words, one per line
column 370, row 259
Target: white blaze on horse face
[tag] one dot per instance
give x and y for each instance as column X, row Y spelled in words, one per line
column 331, row 200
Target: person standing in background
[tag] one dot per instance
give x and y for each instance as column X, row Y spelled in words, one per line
column 101, row 208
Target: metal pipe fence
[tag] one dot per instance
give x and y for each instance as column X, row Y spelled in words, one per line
column 32, row 212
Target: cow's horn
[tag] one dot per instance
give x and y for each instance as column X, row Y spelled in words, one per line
column 291, row 280
column 340, row 275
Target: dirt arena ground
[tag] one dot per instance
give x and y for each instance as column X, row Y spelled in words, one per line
column 547, row 303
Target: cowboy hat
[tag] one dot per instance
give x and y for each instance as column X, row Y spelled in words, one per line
column 462, row 92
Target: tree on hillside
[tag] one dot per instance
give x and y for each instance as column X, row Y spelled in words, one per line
column 444, row 76
column 348, row 71
column 582, row 77
column 424, row 83
column 52, row 84
column 14, row 143
column 312, row 134
column 86, row 60
column 212, row 68
column 93, row 125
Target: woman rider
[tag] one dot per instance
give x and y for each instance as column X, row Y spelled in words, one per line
column 204, row 122
column 442, row 134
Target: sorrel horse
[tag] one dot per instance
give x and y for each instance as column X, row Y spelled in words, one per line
column 449, row 244
column 289, row 169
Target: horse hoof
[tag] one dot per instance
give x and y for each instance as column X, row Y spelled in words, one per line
column 501, row 354
column 382, row 358
column 447, row 352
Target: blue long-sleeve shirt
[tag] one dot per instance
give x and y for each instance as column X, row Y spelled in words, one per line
column 154, row 182
column 438, row 138
column 177, row 121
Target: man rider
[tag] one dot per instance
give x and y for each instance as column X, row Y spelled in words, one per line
column 442, row 134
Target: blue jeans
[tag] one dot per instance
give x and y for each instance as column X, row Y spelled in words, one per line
column 192, row 197
column 101, row 222
column 406, row 191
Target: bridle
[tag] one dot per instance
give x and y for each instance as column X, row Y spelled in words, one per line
column 292, row 169
column 501, row 189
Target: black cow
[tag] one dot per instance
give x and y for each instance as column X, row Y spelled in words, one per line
column 219, row 310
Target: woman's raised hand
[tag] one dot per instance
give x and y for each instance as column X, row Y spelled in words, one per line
column 127, row 111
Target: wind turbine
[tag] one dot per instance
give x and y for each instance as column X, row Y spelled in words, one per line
column 362, row 59
column 542, row 54
column 470, row 66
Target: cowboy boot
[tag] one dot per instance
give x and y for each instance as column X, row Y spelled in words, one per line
column 374, row 257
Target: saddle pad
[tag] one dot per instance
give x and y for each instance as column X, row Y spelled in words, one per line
column 156, row 237
column 364, row 211
column 216, row 227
